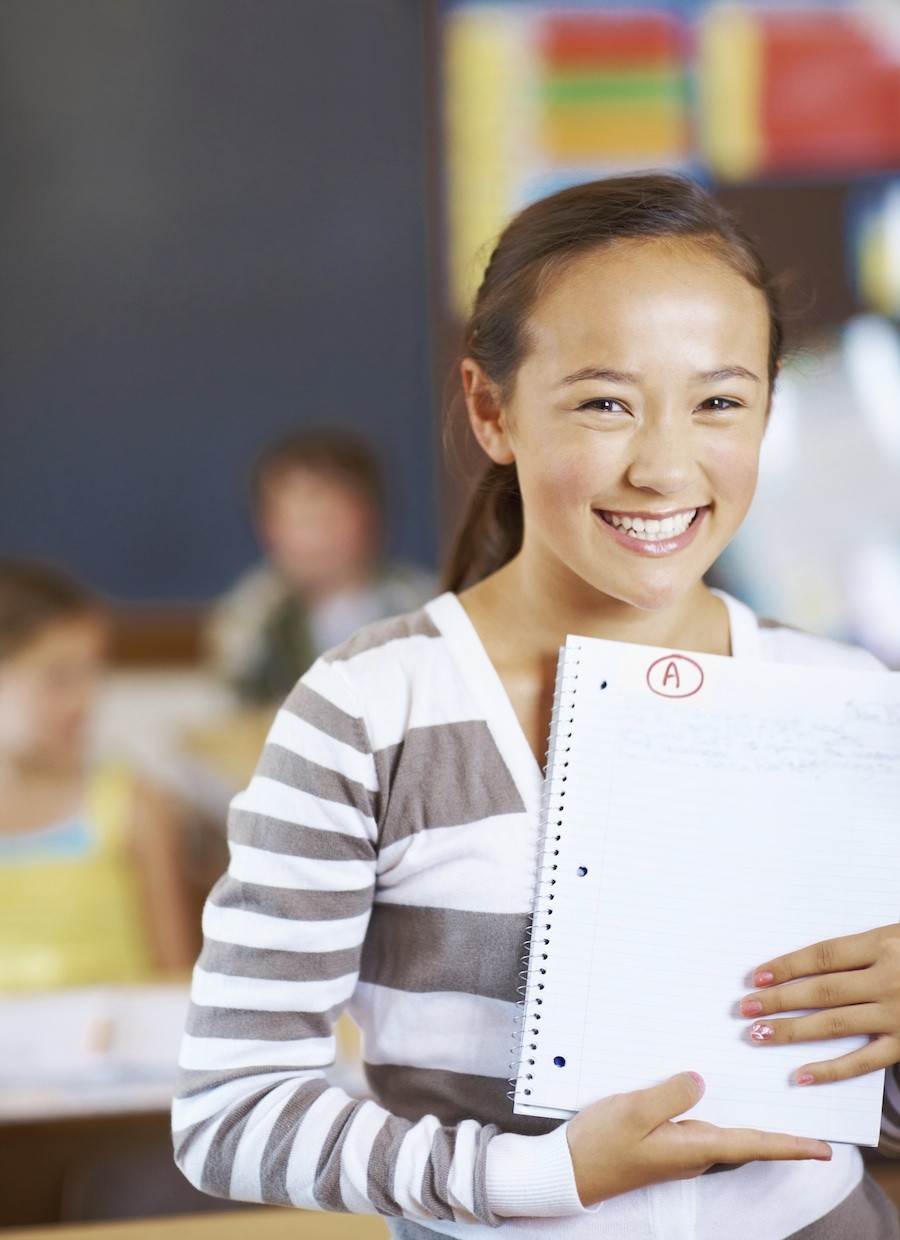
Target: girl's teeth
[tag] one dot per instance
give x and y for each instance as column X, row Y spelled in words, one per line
column 652, row 529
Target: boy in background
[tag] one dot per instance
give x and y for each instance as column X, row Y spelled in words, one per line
column 319, row 509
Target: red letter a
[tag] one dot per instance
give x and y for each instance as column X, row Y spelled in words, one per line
column 671, row 674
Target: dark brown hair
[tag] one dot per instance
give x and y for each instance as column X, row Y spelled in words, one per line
column 532, row 250
column 338, row 454
column 35, row 595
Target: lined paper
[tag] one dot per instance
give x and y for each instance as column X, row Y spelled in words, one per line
column 704, row 814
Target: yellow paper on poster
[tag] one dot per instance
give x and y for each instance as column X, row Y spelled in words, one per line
column 619, row 131
column 731, row 79
column 484, row 54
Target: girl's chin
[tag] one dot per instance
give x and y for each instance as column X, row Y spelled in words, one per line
column 646, row 584
column 654, row 600
column 650, row 585
column 655, row 597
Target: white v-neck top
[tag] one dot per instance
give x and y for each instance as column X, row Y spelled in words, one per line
column 383, row 861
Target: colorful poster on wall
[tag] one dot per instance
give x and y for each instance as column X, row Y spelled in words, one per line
column 799, row 90
column 539, row 97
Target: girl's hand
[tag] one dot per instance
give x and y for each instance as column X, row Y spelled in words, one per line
column 854, row 981
column 628, row 1141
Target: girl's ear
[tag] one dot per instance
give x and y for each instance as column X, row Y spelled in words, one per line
column 486, row 415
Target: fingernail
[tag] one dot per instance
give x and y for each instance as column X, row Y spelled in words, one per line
column 763, row 978
column 751, row 1007
column 761, row 1032
column 698, row 1081
column 805, row 1078
column 826, row 1156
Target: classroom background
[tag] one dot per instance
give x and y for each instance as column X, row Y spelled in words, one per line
column 225, row 223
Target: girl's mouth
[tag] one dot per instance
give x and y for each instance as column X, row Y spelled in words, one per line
column 654, row 535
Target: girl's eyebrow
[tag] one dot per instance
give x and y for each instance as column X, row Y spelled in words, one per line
column 602, row 373
column 605, row 375
column 726, row 372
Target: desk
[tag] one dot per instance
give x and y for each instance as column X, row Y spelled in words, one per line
column 89, row 1051
column 86, row 1082
column 236, row 1225
column 264, row 1224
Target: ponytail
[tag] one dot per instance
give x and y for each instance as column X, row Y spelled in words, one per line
column 33, row 596
column 491, row 533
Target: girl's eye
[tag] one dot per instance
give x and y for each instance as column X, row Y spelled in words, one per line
column 720, row 404
column 603, row 404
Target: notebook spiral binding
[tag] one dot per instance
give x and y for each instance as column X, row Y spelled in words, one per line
column 526, row 1036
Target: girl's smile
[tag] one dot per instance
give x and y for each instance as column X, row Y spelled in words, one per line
column 653, row 533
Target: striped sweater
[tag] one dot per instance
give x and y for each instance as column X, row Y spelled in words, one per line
column 382, row 861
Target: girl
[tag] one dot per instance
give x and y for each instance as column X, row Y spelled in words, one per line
column 618, row 372
column 90, row 890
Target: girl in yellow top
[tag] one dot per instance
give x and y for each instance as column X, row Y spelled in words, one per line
column 90, row 889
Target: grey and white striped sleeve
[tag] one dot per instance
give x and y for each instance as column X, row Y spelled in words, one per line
column 254, row 1116
column 890, row 1114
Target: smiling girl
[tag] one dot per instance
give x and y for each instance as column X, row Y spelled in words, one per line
column 91, row 890
column 618, row 372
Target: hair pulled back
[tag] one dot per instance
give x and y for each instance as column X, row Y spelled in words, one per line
column 332, row 452
column 531, row 252
column 32, row 597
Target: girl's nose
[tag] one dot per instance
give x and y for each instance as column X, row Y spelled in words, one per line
column 662, row 461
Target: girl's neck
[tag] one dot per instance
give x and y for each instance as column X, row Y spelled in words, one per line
column 18, row 770
column 531, row 611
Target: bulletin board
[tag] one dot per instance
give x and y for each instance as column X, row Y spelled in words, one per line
column 541, row 94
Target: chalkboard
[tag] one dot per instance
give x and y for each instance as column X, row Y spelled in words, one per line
column 212, row 230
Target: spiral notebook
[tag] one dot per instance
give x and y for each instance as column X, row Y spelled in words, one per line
column 701, row 815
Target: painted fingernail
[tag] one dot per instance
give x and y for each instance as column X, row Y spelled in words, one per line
column 805, row 1078
column 763, row 978
column 699, row 1082
column 751, row 1007
column 761, row 1032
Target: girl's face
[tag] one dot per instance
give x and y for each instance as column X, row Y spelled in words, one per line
column 636, row 419
column 48, row 689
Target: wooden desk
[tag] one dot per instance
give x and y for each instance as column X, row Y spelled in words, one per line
column 236, row 1225
column 266, row 1224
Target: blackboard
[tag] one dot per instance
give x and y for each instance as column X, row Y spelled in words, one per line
column 212, row 230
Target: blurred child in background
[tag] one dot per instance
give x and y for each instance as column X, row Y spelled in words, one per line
column 90, row 885
column 319, row 507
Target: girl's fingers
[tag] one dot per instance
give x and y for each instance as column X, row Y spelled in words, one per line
column 880, row 1053
column 734, row 1145
column 652, row 1107
column 852, row 951
column 830, row 991
column 842, row 1022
